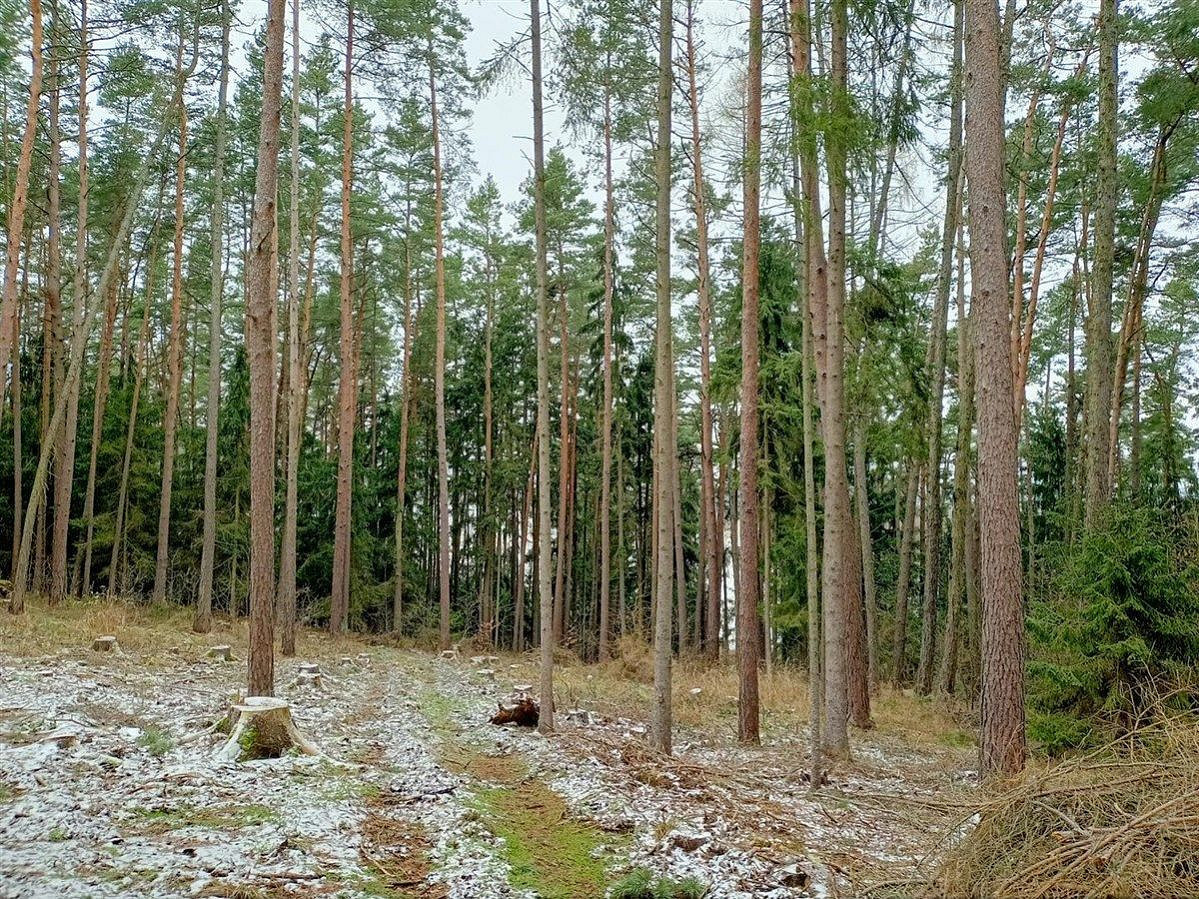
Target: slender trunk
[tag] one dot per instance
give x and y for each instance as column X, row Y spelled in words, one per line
column 660, row 725
column 1099, row 315
column 99, row 405
column 518, row 603
column 443, row 470
column 174, row 359
column 806, row 201
column 1003, row 741
column 545, row 597
column 961, row 529
column 935, row 363
column 862, row 494
column 295, row 424
column 840, row 590
column 347, row 391
column 903, row 584
column 748, row 713
column 676, row 516
column 605, row 573
column 18, row 462
column 53, row 291
column 563, row 441
column 713, row 546
column 397, row 602
column 203, row 620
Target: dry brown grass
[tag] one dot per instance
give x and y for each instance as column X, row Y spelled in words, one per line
column 1120, row 821
column 621, row 688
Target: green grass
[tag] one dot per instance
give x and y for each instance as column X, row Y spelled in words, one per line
column 641, row 884
column 229, row 817
column 548, row 853
column 349, row 788
column 58, row 835
column 155, row 741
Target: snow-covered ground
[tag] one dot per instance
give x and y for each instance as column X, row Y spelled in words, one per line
column 108, row 787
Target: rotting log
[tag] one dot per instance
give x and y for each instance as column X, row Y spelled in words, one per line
column 520, row 709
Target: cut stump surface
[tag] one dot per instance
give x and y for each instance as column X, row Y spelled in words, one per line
column 263, row 729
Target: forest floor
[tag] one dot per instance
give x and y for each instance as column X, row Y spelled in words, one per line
column 108, row 785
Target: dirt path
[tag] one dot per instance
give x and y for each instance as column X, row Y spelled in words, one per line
column 108, row 789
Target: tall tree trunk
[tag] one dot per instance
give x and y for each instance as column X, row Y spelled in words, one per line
column 545, row 596
column 16, row 207
column 261, row 288
column 174, row 358
column 1099, row 315
column 295, row 365
column 748, row 714
column 78, row 290
column 397, row 601
column 347, row 392
column 443, row 471
column 806, row 201
column 605, row 573
column 53, row 291
column 841, row 591
column 1003, row 741
column 488, row 530
column 18, row 462
column 935, row 362
column 660, row 722
column 713, row 546
column 203, row 620
column 563, row 441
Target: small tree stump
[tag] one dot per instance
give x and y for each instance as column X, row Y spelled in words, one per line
column 521, row 710
column 308, row 679
column 309, row 668
column 222, row 652
column 262, row 729
column 105, row 643
column 449, row 654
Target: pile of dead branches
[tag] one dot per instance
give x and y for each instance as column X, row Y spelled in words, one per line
column 1120, row 821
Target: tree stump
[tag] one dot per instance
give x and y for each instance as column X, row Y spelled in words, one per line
column 308, row 679
column 223, row 652
column 309, row 668
column 105, row 643
column 262, row 729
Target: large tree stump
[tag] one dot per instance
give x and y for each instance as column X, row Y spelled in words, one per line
column 105, row 643
column 223, row 652
column 263, row 729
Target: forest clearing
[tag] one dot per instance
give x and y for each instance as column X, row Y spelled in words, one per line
column 108, row 785
column 598, row 448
